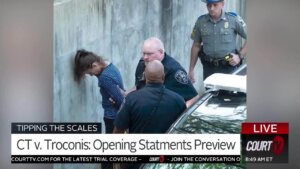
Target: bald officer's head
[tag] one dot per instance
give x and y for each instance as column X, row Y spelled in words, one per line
column 154, row 72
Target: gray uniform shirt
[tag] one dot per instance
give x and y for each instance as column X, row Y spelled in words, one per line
column 219, row 38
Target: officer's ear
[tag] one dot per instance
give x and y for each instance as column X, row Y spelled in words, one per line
column 161, row 51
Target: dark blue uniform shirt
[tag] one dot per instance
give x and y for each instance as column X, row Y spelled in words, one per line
column 110, row 83
column 151, row 109
column 176, row 78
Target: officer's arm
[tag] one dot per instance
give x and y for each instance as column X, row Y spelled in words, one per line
column 130, row 90
column 194, row 57
column 241, row 29
column 243, row 50
column 192, row 101
column 194, row 54
column 122, row 120
column 237, row 58
column 139, row 69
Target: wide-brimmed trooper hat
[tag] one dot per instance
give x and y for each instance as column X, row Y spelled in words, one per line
column 211, row 1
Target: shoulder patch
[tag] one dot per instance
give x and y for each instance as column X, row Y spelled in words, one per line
column 241, row 21
column 232, row 13
column 237, row 17
column 181, row 77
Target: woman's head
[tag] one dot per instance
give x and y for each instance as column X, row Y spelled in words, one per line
column 87, row 63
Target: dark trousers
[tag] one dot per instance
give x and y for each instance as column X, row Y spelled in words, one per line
column 109, row 127
column 209, row 69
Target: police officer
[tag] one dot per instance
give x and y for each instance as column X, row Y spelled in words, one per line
column 151, row 109
column 176, row 78
column 214, row 36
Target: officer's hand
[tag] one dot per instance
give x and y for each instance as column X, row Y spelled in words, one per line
column 191, row 76
column 235, row 60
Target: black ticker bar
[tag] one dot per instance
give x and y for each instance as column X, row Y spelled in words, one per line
column 123, row 159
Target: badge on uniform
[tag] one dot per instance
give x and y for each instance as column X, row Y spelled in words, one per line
column 226, row 25
column 181, row 77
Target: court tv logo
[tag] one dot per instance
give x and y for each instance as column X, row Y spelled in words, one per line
column 265, row 142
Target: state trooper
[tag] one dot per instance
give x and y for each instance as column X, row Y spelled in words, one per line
column 214, row 36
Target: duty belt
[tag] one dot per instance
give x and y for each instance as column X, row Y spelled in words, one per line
column 215, row 61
